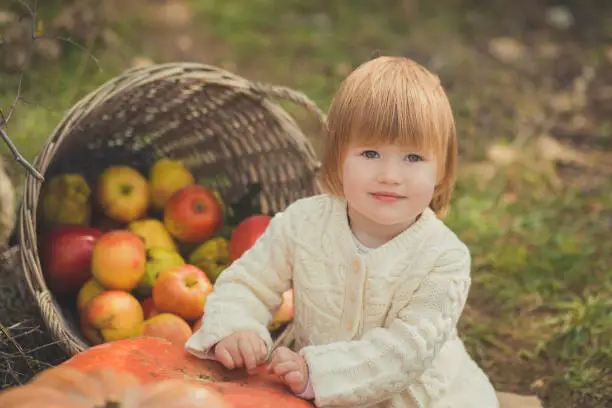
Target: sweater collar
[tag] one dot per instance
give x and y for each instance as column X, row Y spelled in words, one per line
column 407, row 241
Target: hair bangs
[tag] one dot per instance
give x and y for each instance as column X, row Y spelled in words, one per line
column 392, row 107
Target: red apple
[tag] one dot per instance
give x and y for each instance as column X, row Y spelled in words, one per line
column 119, row 260
column 167, row 326
column 112, row 315
column 285, row 312
column 182, row 290
column 195, row 326
column 193, row 214
column 246, row 233
column 66, row 253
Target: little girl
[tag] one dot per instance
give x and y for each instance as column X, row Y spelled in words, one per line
column 379, row 281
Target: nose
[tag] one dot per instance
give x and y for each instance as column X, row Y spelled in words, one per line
column 389, row 172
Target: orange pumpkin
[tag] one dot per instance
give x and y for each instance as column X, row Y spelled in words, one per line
column 153, row 359
column 66, row 387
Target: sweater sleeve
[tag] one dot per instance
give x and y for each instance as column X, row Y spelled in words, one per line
column 388, row 360
column 249, row 290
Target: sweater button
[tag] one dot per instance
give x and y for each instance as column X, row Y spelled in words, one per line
column 356, row 265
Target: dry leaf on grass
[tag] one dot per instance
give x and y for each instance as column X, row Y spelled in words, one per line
column 510, row 400
column 551, row 150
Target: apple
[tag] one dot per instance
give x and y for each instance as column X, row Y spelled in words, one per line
column 66, row 253
column 182, row 290
column 212, row 257
column 153, row 232
column 65, row 199
column 119, row 260
column 196, row 325
column 123, row 193
column 89, row 290
column 167, row 326
column 158, row 259
column 246, row 233
column 193, row 214
column 110, row 316
column 284, row 314
column 165, row 178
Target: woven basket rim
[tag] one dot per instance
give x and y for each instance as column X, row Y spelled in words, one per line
column 129, row 79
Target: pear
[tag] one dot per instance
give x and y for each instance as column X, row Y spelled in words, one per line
column 158, row 260
column 66, row 199
column 165, row 178
column 212, row 257
column 153, row 232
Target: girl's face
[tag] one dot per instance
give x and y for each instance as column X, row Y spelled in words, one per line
column 387, row 185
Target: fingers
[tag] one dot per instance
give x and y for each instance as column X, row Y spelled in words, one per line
column 247, row 351
column 283, row 361
column 295, row 381
column 233, row 348
column 223, row 356
column 241, row 349
column 264, row 352
column 260, row 350
column 289, row 366
column 285, row 368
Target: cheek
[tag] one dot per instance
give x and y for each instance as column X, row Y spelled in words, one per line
column 351, row 174
column 423, row 180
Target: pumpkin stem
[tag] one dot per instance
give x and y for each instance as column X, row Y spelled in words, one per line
column 112, row 404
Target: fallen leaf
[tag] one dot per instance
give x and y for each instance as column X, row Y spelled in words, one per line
column 502, row 155
column 560, row 17
column 552, row 150
column 507, row 49
column 511, row 400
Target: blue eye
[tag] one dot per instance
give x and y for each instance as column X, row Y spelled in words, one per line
column 414, row 158
column 370, row 154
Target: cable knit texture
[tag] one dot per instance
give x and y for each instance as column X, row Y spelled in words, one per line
column 377, row 329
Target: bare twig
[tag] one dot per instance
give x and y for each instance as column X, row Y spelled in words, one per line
column 5, row 118
column 7, row 333
column 18, row 157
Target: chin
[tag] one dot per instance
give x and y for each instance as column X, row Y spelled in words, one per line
column 388, row 220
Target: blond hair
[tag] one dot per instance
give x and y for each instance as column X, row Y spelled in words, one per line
column 392, row 100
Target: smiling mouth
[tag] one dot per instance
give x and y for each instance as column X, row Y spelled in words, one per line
column 386, row 197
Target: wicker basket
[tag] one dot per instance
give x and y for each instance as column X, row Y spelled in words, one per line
column 220, row 125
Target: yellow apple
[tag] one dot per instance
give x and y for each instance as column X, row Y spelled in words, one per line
column 165, row 178
column 153, row 232
column 88, row 291
column 112, row 315
column 123, row 193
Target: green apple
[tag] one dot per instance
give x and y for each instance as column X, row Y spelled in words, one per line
column 158, row 260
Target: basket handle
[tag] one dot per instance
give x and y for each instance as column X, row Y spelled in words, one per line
column 291, row 95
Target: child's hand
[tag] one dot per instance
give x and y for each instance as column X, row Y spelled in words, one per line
column 242, row 348
column 291, row 367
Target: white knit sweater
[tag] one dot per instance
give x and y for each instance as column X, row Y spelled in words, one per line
column 377, row 329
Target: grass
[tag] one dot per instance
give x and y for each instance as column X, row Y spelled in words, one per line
column 539, row 318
